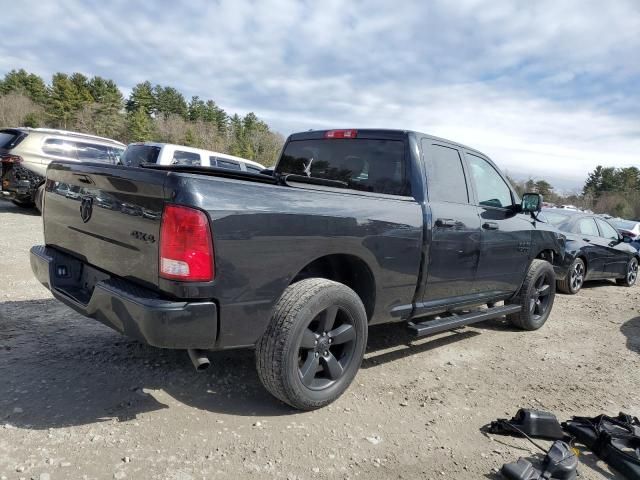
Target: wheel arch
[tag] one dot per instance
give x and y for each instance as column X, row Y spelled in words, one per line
column 347, row 269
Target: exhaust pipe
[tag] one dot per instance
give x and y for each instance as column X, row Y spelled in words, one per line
column 199, row 359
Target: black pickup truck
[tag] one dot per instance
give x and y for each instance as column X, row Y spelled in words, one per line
column 352, row 228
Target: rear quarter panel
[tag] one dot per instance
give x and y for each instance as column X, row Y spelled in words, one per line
column 264, row 235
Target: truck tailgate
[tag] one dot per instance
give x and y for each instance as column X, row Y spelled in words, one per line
column 107, row 216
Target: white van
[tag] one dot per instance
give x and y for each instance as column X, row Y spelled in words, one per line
column 170, row 154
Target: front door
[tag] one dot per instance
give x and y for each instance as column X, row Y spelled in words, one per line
column 616, row 260
column 506, row 235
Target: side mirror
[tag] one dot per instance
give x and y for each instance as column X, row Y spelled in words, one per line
column 626, row 239
column 531, row 203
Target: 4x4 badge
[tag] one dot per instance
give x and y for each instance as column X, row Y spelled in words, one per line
column 86, row 208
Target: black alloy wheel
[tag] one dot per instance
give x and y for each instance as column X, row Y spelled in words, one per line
column 326, row 348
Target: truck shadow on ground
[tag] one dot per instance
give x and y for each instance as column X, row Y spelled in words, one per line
column 631, row 330
column 60, row 369
column 8, row 207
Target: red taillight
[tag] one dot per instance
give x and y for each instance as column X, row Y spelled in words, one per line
column 10, row 158
column 340, row 134
column 186, row 248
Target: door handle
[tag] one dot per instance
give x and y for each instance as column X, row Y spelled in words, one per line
column 446, row 223
column 587, row 240
column 491, row 226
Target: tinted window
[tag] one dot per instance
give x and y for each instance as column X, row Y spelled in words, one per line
column 59, row 148
column 230, row 164
column 185, row 158
column 135, row 155
column 8, row 138
column 213, row 161
column 556, row 219
column 252, row 169
column 607, row 230
column 491, row 188
column 586, row 226
column 362, row 164
column 445, row 176
column 624, row 224
column 93, row 153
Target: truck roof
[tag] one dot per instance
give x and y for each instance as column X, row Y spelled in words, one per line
column 382, row 132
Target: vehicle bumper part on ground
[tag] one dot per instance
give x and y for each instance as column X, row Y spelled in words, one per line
column 134, row 311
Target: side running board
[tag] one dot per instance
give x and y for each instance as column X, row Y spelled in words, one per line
column 440, row 325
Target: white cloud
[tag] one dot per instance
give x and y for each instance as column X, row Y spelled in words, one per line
column 546, row 87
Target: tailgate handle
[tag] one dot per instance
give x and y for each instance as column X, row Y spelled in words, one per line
column 446, row 223
column 490, row 226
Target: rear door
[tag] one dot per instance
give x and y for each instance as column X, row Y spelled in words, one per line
column 506, row 235
column 454, row 244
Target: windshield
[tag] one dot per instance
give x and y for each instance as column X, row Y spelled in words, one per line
column 624, row 224
column 135, row 155
column 363, row 164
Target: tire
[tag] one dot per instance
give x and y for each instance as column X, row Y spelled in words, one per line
column 22, row 202
column 631, row 277
column 37, row 198
column 293, row 344
column 575, row 278
column 536, row 297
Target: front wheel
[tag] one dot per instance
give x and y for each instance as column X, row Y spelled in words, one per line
column 631, row 276
column 535, row 297
column 314, row 344
column 574, row 279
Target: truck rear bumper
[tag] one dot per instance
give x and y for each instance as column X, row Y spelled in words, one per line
column 134, row 311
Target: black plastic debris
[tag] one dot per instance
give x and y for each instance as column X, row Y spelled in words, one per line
column 560, row 463
column 532, row 423
column 615, row 440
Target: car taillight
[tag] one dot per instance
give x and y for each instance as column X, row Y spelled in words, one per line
column 340, row 134
column 186, row 247
column 6, row 158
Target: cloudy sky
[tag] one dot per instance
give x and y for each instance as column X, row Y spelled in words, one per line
column 546, row 88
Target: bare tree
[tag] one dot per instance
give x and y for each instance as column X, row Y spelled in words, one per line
column 18, row 110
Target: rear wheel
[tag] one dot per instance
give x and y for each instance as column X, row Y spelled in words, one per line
column 313, row 347
column 535, row 297
column 631, row 276
column 574, row 279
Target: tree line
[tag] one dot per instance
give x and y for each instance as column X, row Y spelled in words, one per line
column 151, row 112
column 611, row 190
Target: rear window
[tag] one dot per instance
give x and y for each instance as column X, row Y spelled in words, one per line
column 230, row 164
column 556, row 219
column 135, row 155
column 9, row 139
column 186, row 158
column 363, row 164
column 94, row 153
column 252, row 169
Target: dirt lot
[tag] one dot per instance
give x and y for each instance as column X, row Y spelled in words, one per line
column 79, row 401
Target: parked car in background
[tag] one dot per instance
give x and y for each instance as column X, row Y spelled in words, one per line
column 628, row 228
column 25, row 154
column 354, row 228
column 170, row 154
column 594, row 250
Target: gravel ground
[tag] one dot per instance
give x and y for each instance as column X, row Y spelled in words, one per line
column 78, row 400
